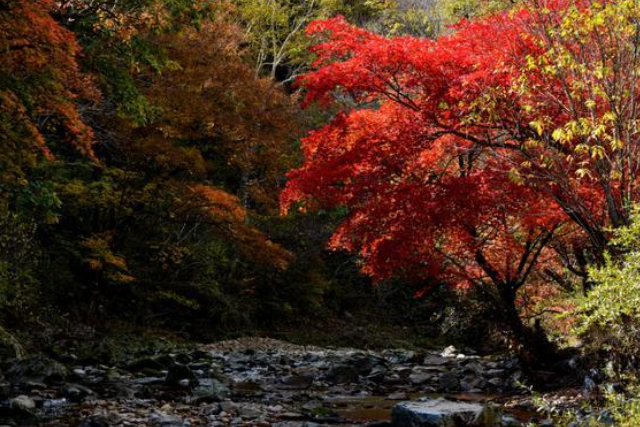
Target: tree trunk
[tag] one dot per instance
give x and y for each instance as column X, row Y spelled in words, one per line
column 531, row 343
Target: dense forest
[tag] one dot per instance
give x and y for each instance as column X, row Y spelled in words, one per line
column 371, row 174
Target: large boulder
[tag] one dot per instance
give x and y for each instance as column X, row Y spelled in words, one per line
column 443, row 413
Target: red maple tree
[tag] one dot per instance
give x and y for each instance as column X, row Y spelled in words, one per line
column 463, row 158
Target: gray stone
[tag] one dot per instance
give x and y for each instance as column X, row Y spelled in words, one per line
column 450, row 351
column 76, row 392
column 209, row 391
column 436, row 413
column 160, row 419
column 23, row 402
column 449, row 382
column 249, row 412
column 400, row 395
column 418, row 378
column 435, row 360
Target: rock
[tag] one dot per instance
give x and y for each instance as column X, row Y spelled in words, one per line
column 449, row 382
column 100, row 421
column 244, row 389
column 5, row 390
column 377, row 375
column 473, row 367
column 19, row 412
column 496, row 382
column 296, row 382
column 23, row 402
column 342, row 374
column 435, row 360
column 291, row 416
column 178, row 373
column 76, row 392
column 79, row 373
column 229, row 407
column 418, row 378
column 161, row 419
column 149, row 381
column 400, row 395
column 209, row 391
column 436, row 413
column 450, row 351
column 249, row 412
column 37, row 369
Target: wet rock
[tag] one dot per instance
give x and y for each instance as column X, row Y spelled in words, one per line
column 436, row 413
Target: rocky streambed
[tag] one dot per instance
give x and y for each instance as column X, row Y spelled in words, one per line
column 266, row 382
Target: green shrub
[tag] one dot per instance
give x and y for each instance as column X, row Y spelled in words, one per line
column 609, row 315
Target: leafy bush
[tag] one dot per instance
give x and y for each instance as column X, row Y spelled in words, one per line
column 610, row 313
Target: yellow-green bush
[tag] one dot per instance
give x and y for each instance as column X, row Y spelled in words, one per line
column 610, row 313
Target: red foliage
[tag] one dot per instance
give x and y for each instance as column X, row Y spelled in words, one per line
column 429, row 153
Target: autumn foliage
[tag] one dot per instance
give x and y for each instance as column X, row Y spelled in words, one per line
column 493, row 156
column 41, row 86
